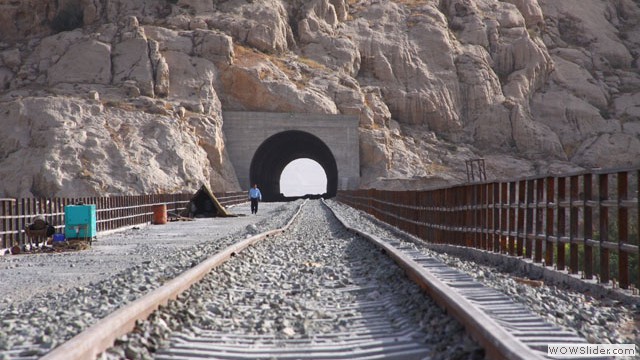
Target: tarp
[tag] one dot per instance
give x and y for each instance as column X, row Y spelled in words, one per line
column 205, row 204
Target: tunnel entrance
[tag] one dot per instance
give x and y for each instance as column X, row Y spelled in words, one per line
column 276, row 152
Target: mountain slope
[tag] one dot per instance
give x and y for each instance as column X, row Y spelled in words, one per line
column 126, row 96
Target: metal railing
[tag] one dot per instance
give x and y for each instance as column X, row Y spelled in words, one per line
column 585, row 223
column 112, row 212
column 232, row 198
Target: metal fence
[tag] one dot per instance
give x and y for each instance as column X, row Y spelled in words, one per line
column 232, row 198
column 112, row 212
column 585, row 223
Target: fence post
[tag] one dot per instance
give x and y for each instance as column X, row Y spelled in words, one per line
column 415, row 212
column 529, row 232
column 442, row 216
column 10, row 223
column 539, row 238
column 512, row 230
column 588, row 226
column 497, row 208
column 459, row 194
column 476, row 210
column 522, row 205
column 623, row 230
column 22, row 221
column 5, row 224
column 483, row 216
column 561, row 231
column 574, row 193
column 603, row 195
column 548, row 251
column 504, row 216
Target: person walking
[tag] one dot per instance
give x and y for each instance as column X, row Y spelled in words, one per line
column 255, row 195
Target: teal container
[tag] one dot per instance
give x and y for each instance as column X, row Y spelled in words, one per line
column 79, row 221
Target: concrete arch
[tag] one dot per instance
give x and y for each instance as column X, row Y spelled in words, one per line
column 276, row 152
column 261, row 144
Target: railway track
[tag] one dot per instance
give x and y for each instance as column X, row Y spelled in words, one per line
column 506, row 329
column 316, row 291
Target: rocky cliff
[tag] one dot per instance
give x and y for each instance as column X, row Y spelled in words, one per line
column 125, row 96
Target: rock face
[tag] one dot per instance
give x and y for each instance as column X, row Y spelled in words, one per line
column 123, row 96
column 67, row 146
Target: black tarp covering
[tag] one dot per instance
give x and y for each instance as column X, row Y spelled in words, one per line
column 205, row 204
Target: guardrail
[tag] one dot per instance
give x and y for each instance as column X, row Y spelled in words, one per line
column 112, row 212
column 584, row 223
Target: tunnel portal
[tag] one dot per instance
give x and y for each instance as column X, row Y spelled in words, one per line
column 275, row 153
column 261, row 144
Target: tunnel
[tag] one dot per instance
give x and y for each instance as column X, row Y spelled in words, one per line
column 273, row 155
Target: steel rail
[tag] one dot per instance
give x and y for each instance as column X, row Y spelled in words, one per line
column 100, row 336
column 497, row 342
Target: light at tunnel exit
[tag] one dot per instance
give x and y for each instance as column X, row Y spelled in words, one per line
column 301, row 177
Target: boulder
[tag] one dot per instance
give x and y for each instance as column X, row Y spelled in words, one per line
column 533, row 138
column 588, row 24
column 596, row 151
column 573, row 119
column 87, row 61
column 261, row 86
column 198, row 6
column 375, row 153
column 170, row 40
column 491, row 129
column 131, row 62
column 192, row 81
column 480, row 87
column 531, row 12
column 262, row 25
column 6, row 76
column 160, row 70
column 627, row 107
column 580, row 82
column 11, row 59
column 24, row 19
column 213, row 46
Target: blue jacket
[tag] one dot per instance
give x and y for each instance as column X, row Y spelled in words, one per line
column 255, row 193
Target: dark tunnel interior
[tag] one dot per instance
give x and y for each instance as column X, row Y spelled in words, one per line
column 275, row 153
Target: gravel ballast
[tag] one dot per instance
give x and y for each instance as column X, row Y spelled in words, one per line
column 292, row 289
column 599, row 321
column 49, row 298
